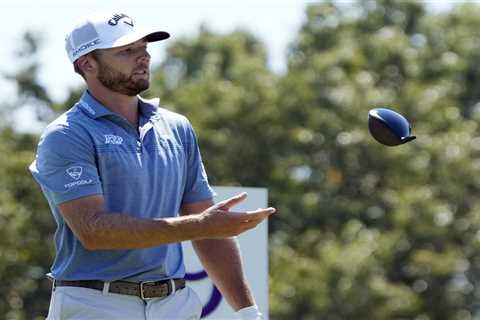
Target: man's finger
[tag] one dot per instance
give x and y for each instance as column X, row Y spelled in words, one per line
column 227, row 204
column 268, row 210
column 252, row 223
column 254, row 215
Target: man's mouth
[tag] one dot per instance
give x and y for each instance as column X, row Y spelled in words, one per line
column 141, row 72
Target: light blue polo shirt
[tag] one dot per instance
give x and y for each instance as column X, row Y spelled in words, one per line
column 146, row 172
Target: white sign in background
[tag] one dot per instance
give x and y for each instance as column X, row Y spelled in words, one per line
column 254, row 249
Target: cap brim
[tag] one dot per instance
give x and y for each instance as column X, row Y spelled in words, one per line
column 132, row 37
column 157, row 36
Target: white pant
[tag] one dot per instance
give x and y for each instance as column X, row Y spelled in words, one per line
column 73, row 303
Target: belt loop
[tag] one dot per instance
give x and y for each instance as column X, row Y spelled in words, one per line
column 172, row 281
column 106, row 288
column 49, row 277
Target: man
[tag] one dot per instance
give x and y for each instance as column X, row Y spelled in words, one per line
column 125, row 183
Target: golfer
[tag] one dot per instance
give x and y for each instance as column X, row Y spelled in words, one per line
column 126, row 184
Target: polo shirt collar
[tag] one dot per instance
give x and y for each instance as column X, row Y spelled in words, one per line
column 94, row 109
column 148, row 107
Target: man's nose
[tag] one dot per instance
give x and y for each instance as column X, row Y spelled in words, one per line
column 144, row 57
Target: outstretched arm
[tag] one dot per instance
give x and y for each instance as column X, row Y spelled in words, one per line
column 98, row 228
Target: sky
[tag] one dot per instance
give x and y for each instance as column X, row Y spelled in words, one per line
column 274, row 22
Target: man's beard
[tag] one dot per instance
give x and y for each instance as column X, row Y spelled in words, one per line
column 120, row 82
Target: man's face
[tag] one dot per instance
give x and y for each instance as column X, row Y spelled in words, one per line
column 125, row 69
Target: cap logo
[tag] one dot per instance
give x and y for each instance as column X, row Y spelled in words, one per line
column 86, row 46
column 117, row 17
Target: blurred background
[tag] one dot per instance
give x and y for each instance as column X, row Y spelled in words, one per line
column 279, row 93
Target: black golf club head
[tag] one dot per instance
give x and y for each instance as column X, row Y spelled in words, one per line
column 389, row 127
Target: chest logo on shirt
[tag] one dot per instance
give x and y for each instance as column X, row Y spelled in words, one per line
column 75, row 172
column 113, row 139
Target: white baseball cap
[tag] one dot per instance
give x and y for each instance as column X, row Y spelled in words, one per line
column 103, row 30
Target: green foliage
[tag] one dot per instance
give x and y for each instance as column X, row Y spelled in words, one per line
column 26, row 227
column 415, row 202
column 223, row 85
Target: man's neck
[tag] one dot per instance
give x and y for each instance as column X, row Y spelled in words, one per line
column 123, row 105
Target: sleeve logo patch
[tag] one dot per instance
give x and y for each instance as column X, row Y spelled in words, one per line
column 75, row 172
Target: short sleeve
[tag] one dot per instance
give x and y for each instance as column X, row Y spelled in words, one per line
column 65, row 165
column 197, row 187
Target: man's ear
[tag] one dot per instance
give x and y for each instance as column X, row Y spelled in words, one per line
column 87, row 64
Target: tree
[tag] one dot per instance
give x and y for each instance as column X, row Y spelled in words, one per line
column 222, row 83
column 27, row 229
column 26, row 245
column 388, row 233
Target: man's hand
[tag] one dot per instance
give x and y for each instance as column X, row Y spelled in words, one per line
column 219, row 222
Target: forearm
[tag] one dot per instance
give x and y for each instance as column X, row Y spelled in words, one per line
column 222, row 261
column 98, row 229
column 122, row 231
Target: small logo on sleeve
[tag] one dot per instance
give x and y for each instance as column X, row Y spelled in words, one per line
column 113, row 139
column 75, row 172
